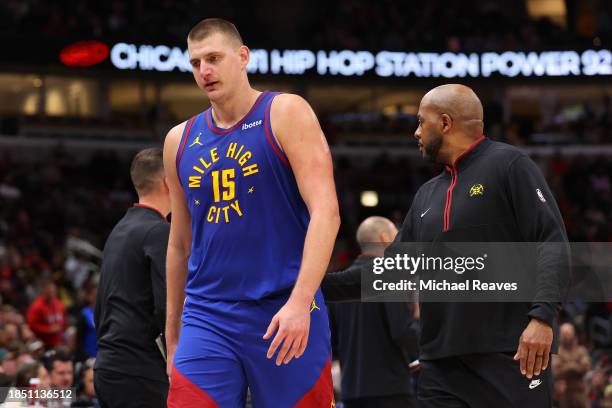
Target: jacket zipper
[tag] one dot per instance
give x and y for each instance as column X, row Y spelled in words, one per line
column 449, row 198
column 454, row 175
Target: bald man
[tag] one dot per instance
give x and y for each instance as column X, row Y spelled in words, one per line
column 374, row 342
column 483, row 354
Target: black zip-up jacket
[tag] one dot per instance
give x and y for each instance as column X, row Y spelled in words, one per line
column 493, row 193
column 374, row 342
column 131, row 302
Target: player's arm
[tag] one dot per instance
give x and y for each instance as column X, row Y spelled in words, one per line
column 299, row 134
column 179, row 245
column 539, row 220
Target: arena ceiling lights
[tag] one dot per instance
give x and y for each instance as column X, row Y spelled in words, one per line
column 383, row 63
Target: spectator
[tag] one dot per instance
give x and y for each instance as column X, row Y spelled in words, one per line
column 607, row 402
column 47, row 316
column 86, row 394
column 6, row 381
column 58, row 363
column 36, row 348
column 86, row 343
column 599, row 382
column 25, row 334
column 8, row 363
column 572, row 356
column 10, row 334
column 29, row 371
column 570, row 366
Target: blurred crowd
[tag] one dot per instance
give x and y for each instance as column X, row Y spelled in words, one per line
column 56, row 211
column 566, row 122
column 578, row 122
column 473, row 25
column 48, row 271
column 460, row 26
column 46, row 348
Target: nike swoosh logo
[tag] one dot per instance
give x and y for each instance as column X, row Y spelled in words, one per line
column 426, row 211
column 534, row 384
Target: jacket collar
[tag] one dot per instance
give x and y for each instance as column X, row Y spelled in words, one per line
column 470, row 153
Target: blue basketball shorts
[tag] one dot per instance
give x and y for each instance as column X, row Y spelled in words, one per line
column 221, row 353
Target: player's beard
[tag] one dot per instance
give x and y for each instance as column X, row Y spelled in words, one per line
column 432, row 148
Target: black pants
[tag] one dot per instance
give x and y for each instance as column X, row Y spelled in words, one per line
column 116, row 390
column 481, row 381
column 388, row 401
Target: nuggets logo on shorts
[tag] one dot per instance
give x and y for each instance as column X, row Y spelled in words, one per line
column 314, row 306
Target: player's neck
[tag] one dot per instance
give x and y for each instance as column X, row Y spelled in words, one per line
column 228, row 112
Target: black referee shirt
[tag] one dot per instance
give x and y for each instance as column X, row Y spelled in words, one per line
column 131, row 302
column 493, row 193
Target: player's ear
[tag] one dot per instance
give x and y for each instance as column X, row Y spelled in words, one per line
column 446, row 123
column 245, row 55
column 384, row 237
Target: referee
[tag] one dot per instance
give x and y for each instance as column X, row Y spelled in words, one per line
column 480, row 355
column 130, row 309
column 375, row 367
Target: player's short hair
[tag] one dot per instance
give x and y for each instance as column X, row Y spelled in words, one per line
column 211, row 26
column 146, row 169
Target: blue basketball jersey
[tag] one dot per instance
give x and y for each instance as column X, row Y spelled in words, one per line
column 248, row 220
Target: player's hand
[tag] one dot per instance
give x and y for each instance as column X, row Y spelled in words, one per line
column 291, row 324
column 534, row 348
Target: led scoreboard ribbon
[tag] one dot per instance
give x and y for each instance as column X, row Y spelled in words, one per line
column 383, row 63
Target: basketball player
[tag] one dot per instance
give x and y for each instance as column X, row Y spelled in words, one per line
column 254, row 220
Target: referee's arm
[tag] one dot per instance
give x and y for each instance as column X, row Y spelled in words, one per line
column 155, row 247
column 343, row 286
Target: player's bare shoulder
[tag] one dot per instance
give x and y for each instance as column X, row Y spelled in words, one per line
column 171, row 146
column 291, row 114
column 286, row 106
column 173, row 137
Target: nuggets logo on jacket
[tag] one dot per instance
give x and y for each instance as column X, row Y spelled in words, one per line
column 476, row 189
